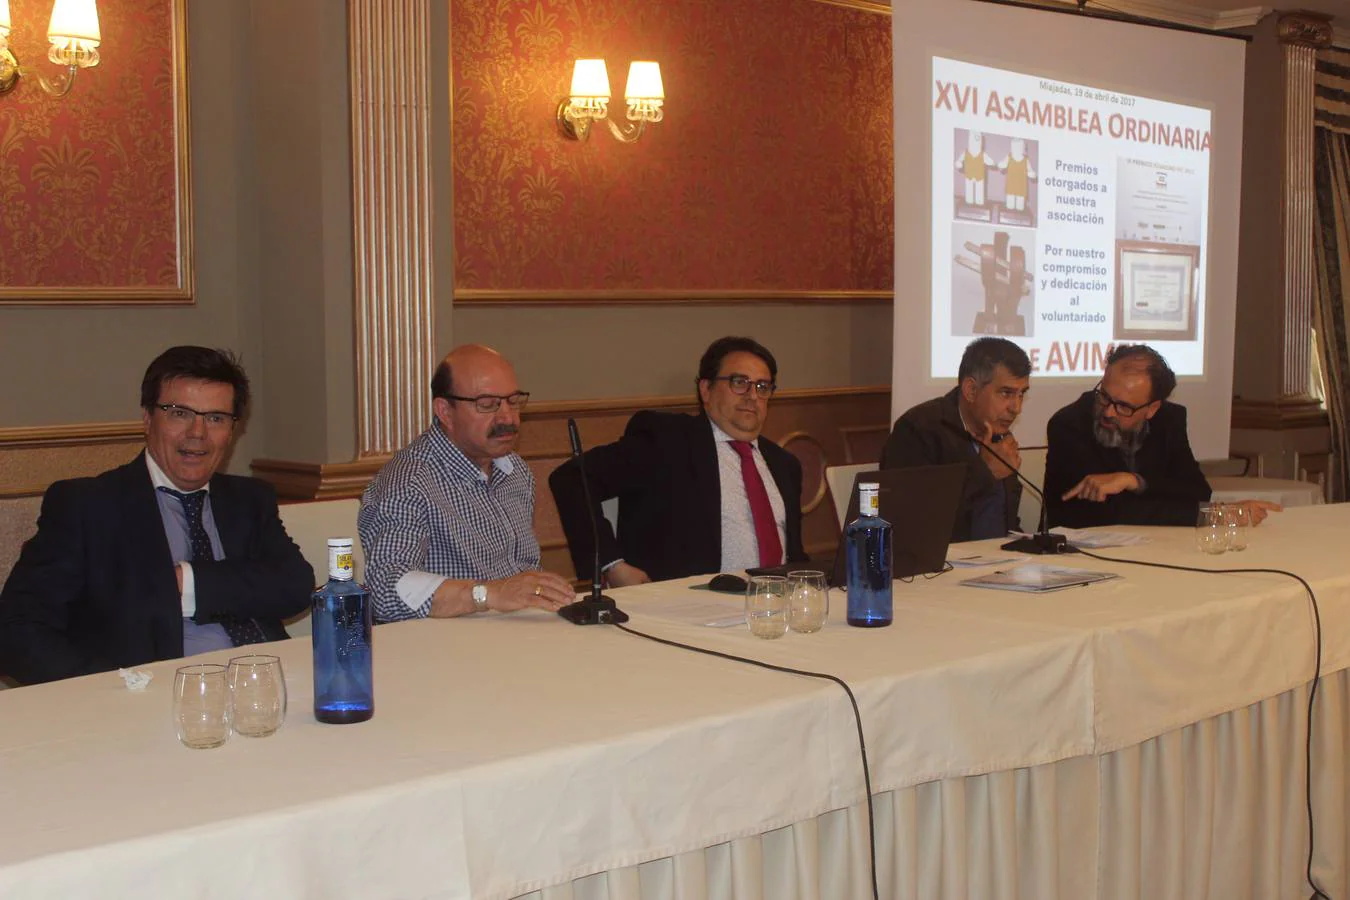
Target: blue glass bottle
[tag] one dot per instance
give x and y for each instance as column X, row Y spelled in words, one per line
column 342, row 614
column 868, row 545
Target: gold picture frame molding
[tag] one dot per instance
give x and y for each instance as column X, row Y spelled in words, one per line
column 131, row 295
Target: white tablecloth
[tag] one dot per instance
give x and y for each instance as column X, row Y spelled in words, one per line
column 1285, row 491
column 514, row 753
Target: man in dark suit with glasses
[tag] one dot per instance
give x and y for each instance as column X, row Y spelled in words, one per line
column 163, row 557
column 1119, row 454
column 698, row 494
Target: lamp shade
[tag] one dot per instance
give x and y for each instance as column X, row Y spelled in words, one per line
column 644, row 81
column 4, row 18
column 590, row 79
column 74, row 20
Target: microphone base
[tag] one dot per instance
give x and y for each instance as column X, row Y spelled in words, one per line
column 594, row 610
column 1040, row 544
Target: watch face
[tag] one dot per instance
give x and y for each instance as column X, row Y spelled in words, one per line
column 479, row 593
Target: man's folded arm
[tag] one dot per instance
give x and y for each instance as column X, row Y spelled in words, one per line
column 35, row 602
column 275, row 584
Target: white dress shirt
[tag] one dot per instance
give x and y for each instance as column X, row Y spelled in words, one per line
column 740, row 545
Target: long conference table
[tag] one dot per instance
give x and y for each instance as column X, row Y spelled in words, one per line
column 1139, row 738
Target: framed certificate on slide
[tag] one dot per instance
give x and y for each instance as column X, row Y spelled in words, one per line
column 1155, row 291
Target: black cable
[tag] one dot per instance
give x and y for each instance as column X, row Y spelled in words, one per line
column 857, row 717
column 1317, row 893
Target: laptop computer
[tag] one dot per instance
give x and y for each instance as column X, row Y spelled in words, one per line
column 920, row 503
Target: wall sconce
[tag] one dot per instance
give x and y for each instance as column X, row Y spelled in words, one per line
column 589, row 101
column 74, row 36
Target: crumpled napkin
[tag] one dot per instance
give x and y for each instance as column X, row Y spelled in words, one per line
column 136, row 679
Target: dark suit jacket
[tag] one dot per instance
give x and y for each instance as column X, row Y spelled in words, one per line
column 920, row 438
column 95, row 590
column 1175, row 486
column 664, row 472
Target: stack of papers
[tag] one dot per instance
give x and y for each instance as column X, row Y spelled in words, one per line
column 1093, row 539
column 1035, row 578
column 976, row 562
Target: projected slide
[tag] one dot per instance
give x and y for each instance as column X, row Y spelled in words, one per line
column 1066, row 218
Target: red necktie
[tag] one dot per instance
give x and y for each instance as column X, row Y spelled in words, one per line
column 766, row 530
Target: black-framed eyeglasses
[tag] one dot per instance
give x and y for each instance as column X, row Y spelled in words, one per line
column 183, row 416
column 490, row 403
column 1107, row 401
column 741, row 384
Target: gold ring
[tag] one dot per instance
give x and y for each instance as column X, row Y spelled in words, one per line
column 538, row 590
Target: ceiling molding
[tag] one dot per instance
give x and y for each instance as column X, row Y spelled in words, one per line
column 1185, row 13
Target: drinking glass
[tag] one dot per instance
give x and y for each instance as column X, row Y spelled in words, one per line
column 766, row 605
column 1211, row 529
column 201, row 706
column 808, row 600
column 257, row 695
column 1238, row 518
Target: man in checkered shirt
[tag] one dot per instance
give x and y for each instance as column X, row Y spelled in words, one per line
column 447, row 525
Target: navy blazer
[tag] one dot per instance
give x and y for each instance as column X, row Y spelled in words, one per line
column 95, row 589
column 664, row 471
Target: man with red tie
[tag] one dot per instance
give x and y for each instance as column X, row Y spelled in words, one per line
column 698, row 494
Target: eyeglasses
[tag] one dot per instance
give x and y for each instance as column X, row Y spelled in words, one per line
column 741, row 384
column 184, row 416
column 1106, row 400
column 490, row 403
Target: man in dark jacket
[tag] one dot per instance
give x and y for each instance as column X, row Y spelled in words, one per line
column 972, row 424
column 163, row 557
column 1119, row 454
column 697, row 494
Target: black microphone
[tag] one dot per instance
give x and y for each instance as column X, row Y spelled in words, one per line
column 1043, row 541
column 597, row 609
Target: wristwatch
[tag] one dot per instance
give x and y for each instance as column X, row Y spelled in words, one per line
column 480, row 598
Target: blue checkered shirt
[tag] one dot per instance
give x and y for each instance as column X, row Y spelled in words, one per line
column 431, row 509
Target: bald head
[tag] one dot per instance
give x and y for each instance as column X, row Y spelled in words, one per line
column 468, row 376
column 465, row 364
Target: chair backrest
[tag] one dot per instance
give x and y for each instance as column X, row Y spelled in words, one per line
column 18, row 522
column 840, row 480
column 310, row 525
column 1033, row 470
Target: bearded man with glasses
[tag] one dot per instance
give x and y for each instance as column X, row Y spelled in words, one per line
column 1120, row 454
column 698, row 494
column 163, row 557
column 447, row 524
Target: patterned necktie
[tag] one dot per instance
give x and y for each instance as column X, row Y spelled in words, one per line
column 240, row 630
column 766, row 529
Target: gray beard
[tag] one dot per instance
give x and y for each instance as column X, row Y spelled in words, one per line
column 1128, row 442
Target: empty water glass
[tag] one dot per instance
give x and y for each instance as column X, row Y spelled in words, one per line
column 1211, row 529
column 808, row 600
column 1238, row 518
column 766, row 606
column 257, row 695
column 201, row 706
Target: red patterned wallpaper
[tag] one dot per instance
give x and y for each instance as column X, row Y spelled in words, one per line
column 88, row 183
column 771, row 171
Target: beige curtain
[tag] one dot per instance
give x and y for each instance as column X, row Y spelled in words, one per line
column 1332, row 247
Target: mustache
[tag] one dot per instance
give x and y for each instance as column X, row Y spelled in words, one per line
column 503, row 429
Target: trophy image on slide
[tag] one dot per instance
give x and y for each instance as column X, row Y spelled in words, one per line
column 973, row 163
column 989, row 281
column 1018, row 176
column 996, row 178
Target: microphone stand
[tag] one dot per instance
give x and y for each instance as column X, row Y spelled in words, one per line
column 597, row 609
column 1043, row 541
